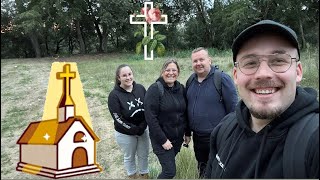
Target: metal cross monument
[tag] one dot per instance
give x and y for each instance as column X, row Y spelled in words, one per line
column 146, row 5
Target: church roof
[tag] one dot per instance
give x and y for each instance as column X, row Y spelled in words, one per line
column 51, row 131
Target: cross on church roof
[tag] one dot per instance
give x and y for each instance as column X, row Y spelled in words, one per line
column 66, row 75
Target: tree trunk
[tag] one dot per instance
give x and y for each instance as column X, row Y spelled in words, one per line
column 96, row 25
column 117, row 41
column 303, row 39
column 47, row 46
column 265, row 13
column 58, row 46
column 35, row 44
column 202, row 14
column 80, row 38
column 105, row 39
column 70, row 45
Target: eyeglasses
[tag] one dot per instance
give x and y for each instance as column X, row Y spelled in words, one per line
column 278, row 63
column 173, row 70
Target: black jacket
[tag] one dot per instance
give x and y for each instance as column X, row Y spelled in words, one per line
column 246, row 154
column 127, row 109
column 166, row 115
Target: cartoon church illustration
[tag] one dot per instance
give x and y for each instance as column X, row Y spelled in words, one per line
column 61, row 147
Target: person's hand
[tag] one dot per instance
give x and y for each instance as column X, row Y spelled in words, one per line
column 167, row 145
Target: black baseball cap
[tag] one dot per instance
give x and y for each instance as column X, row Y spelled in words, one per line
column 263, row 27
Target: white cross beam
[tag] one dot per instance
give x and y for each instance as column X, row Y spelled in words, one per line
column 145, row 24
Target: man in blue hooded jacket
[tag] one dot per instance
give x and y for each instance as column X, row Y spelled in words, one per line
column 205, row 105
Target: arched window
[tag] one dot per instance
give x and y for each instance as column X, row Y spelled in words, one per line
column 79, row 137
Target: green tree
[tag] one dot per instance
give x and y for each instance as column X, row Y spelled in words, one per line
column 29, row 22
column 35, row 28
column 114, row 22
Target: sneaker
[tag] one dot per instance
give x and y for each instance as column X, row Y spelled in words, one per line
column 144, row 176
column 133, row 176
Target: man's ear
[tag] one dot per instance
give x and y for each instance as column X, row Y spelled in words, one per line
column 235, row 77
column 299, row 72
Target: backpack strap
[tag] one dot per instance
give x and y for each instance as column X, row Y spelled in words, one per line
column 217, row 78
column 217, row 82
column 161, row 89
column 190, row 79
column 225, row 130
column 296, row 144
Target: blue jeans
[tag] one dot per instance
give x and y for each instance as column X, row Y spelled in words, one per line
column 132, row 146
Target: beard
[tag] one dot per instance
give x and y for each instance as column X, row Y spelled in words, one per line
column 266, row 114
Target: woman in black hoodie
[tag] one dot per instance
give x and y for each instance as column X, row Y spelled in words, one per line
column 126, row 106
column 165, row 111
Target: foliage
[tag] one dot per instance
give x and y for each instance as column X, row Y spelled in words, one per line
column 55, row 27
column 152, row 44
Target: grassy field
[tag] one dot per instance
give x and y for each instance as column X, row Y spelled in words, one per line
column 23, row 90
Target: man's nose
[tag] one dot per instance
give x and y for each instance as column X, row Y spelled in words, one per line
column 263, row 70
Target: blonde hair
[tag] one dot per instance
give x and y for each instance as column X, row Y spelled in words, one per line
column 200, row 49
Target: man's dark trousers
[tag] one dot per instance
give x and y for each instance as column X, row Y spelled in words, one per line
column 201, row 145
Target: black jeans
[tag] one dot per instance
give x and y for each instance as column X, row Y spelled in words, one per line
column 201, row 145
column 167, row 159
column 168, row 164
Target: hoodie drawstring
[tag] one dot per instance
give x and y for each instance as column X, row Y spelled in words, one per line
column 229, row 154
column 263, row 142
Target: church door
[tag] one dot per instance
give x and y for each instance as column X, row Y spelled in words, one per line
column 79, row 157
